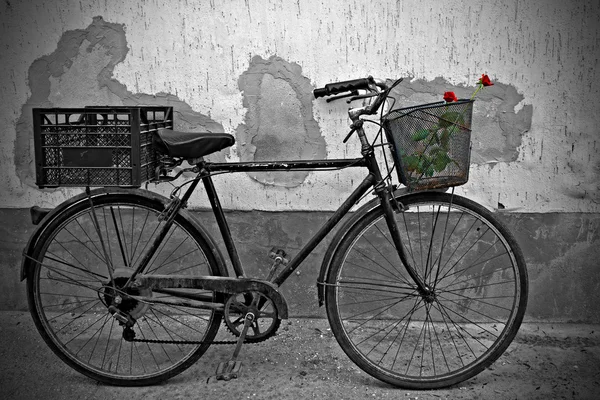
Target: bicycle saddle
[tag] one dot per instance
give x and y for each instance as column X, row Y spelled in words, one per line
column 190, row 144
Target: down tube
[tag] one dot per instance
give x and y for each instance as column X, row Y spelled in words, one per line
column 365, row 185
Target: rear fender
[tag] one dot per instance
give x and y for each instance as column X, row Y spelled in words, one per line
column 45, row 217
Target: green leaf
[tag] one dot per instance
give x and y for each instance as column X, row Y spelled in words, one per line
column 453, row 129
column 420, row 135
column 450, row 118
column 434, row 150
column 445, row 138
column 429, row 172
column 411, row 162
column 441, row 161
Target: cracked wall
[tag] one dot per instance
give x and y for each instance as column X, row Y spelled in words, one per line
column 279, row 123
column 534, row 142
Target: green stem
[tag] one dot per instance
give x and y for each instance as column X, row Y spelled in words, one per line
column 477, row 90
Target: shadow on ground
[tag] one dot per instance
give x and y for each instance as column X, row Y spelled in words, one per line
column 304, row 361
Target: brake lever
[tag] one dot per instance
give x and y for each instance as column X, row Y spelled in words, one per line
column 341, row 96
column 362, row 96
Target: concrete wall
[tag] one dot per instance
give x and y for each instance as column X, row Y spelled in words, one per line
column 248, row 68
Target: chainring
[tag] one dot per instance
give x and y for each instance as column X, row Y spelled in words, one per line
column 266, row 320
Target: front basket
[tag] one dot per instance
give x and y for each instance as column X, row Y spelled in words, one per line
column 431, row 143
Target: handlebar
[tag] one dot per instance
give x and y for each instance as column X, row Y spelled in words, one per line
column 377, row 87
column 333, row 88
column 344, row 86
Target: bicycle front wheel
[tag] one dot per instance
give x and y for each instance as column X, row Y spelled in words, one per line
column 83, row 259
column 477, row 276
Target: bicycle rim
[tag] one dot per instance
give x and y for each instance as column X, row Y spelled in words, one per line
column 479, row 282
column 71, row 289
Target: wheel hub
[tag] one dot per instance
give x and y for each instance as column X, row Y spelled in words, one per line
column 428, row 295
column 121, row 299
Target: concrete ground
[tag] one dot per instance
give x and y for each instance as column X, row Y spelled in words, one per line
column 546, row 361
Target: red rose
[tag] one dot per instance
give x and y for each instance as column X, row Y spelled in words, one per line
column 449, row 97
column 485, row 80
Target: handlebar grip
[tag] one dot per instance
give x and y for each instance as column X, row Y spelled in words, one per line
column 345, row 86
column 322, row 92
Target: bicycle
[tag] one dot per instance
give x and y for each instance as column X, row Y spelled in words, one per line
column 423, row 288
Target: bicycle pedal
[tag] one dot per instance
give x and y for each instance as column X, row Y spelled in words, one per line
column 228, row 370
column 279, row 255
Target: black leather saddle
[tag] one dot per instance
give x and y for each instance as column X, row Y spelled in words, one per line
column 190, row 144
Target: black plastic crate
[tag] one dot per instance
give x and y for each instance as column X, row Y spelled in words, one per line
column 97, row 146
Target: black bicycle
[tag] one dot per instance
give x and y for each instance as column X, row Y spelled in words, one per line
column 423, row 288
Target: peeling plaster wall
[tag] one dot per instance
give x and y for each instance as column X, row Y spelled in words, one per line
column 248, row 68
column 279, row 124
column 537, row 152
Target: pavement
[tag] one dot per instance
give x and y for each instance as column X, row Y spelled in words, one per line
column 303, row 361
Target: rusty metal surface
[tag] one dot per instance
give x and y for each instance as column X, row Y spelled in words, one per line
column 216, row 284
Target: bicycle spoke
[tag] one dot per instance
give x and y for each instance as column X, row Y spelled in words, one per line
column 391, row 276
column 120, row 241
column 468, row 251
column 390, row 243
column 59, row 260
column 164, row 264
column 470, row 321
column 142, row 229
column 97, row 253
column 72, row 310
column 470, row 267
column 410, row 314
column 476, row 277
column 456, row 247
column 177, row 321
column 160, row 249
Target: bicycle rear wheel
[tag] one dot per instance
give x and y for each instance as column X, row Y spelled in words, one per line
column 477, row 274
column 70, row 290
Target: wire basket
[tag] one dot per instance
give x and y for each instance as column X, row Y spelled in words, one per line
column 97, row 146
column 431, row 143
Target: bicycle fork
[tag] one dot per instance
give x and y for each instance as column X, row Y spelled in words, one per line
column 386, row 197
column 388, row 210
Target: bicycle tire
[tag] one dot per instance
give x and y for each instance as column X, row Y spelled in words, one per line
column 69, row 290
column 479, row 280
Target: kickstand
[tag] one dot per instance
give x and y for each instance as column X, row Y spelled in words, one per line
column 229, row 370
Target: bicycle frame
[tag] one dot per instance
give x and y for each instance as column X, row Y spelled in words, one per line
column 313, row 165
column 206, row 169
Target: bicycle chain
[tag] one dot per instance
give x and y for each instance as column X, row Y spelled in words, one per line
column 198, row 342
